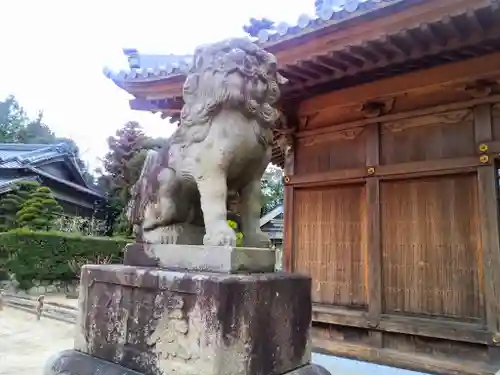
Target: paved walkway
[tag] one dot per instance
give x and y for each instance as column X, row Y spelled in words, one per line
column 26, row 344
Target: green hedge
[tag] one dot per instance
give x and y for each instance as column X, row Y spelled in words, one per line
column 44, row 256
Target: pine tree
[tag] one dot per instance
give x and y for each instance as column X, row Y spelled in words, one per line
column 122, row 167
column 12, row 202
column 39, row 211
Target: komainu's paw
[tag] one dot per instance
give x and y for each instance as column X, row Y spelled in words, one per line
column 257, row 239
column 222, row 235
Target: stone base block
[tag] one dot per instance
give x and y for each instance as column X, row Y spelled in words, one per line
column 157, row 321
column 72, row 362
column 201, row 258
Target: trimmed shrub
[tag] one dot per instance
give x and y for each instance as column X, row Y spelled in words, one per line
column 46, row 256
column 12, row 202
column 39, row 211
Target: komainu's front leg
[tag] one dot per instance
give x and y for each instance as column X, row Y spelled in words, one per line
column 213, row 196
column 250, row 216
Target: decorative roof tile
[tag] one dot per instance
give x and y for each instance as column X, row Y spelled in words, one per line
column 147, row 67
column 328, row 12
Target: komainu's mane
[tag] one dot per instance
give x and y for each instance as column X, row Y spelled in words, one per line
column 234, row 73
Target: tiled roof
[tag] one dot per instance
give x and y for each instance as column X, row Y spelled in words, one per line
column 30, row 156
column 330, row 12
column 20, row 155
column 137, row 60
column 6, row 183
column 151, row 68
column 271, row 215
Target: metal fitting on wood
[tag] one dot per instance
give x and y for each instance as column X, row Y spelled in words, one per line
column 286, row 179
column 371, row 170
column 483, row 147
column 484, row 159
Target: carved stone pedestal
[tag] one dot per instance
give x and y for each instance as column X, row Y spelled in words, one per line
column 153, row 321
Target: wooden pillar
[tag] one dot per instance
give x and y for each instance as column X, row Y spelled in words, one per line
column 488, row 210
column 288, row 207
column 374, row 251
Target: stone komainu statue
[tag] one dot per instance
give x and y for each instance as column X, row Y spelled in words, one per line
column 223, row 144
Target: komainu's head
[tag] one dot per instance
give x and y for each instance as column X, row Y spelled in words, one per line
column 232, row 74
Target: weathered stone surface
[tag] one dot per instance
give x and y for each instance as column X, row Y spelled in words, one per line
column 310, row 369
column 223, row 144
column 165, row 322
column 71, row 362
column 178, row 234
column 201, row 258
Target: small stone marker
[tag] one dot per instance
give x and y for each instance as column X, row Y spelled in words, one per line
column 39, row 307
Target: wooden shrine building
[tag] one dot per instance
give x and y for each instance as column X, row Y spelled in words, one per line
column 391, row 200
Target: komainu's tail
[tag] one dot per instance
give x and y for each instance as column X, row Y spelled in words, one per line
column 138, row 192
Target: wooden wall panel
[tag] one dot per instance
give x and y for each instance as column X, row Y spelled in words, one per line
column 445, row 135
column 431, row 247
column 330, row 243
column 337, row 150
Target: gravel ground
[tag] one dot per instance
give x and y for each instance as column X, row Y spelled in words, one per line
column 26, row 344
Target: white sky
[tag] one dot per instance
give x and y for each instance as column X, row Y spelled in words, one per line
column 52, row 53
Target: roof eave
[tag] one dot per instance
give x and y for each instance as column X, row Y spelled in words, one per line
column 68, row 183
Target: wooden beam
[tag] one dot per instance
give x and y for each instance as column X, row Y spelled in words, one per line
column 434, row 33
column 450, row 23
column 288, row 219
column 289, row 194
column 345, row 175
column 483, row 130
column 429, row 168
column 476, row 24
column 435, row 327
column 487, row 179
column 373, row 241
column 459, row 72
column 296, row 71
column 418, row 53
column 289, row 52
column 362, row 54
column 339, row 316
column 331, row 63
column 395, row 47
column 397, row 358
column 388, row 172
column 493, row 147
column 399, row 116
column 330, row 68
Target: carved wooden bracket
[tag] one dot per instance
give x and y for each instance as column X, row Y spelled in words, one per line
column 285, row 141
column 377, row 108
column 304, row 120
column 435, row 119
column 481, row 88
column 347, row 134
